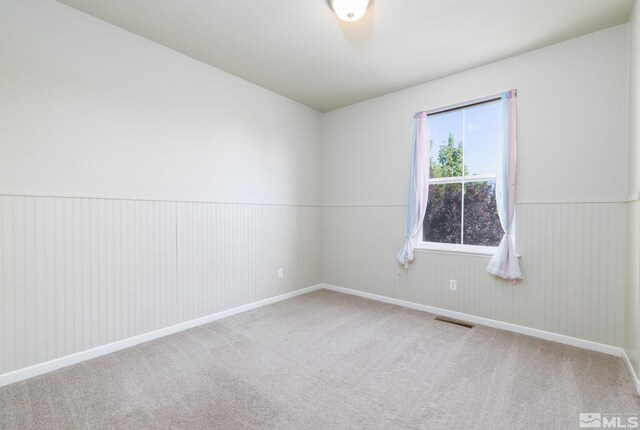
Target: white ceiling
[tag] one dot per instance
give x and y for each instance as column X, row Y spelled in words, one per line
column 299, row 49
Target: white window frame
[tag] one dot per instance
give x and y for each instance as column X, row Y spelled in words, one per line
column 460, row 248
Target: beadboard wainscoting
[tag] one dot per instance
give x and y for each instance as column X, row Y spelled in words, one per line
column 79, row 273
column 572, row 255
column 632, row 293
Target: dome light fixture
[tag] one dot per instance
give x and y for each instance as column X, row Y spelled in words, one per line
column 349, row 10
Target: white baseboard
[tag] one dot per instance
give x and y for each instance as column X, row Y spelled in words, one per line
column 632, row 371
column 58, row 363
column 541, row 334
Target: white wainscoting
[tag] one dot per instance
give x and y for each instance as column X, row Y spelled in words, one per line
column 79, row 273
column 573, row 258
column 632, row 293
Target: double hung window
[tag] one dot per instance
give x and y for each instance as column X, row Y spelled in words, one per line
column 461, row 209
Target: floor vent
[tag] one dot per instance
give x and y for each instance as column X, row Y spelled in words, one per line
column 456, row 322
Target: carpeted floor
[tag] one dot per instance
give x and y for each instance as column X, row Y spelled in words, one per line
column 328, row 360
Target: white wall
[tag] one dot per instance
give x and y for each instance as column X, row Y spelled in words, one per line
column 632, row 302
column 572, row 126
column 79, row 273
column 124, row 133
column 179, row 189
column 572, row 143
column 634, row 103
column 90, row 109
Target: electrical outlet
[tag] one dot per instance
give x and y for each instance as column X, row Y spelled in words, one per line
column 280, row 273
column 453, row 284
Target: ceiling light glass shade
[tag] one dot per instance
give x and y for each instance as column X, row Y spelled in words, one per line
column 349, row 10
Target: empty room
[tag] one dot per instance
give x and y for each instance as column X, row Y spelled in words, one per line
column 319, row 214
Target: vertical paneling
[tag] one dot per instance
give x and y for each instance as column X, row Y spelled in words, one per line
column 76, row 273
column 229, row 255
column 573, row 257
column 632, row 294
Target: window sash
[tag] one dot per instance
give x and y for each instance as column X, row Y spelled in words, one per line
column 477, row 249
column 459, row 247
column 462, row 179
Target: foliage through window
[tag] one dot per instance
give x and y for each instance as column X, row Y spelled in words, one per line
column 461, row 208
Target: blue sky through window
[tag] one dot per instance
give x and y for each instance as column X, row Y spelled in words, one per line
column 481, row 126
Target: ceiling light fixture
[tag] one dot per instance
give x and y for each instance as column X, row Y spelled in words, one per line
column 349, row 10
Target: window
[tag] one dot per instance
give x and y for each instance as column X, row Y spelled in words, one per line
column 461, row 209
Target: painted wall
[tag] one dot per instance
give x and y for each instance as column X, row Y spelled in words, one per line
column 126, row 169
column 572, row 149
column 90, row 109
column 139, row 188
column 632, row 302
column 80, row 273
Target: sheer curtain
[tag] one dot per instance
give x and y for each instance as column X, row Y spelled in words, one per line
column 504, row 262
column 418, row 187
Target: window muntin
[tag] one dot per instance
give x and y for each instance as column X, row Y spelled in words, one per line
column 461, row 210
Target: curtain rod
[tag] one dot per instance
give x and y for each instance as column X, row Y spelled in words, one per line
column 468, row 103
column 463, row 106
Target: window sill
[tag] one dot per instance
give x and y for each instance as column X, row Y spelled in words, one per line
column 446, row 248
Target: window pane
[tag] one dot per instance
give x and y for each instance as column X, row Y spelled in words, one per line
column 443, row 220
column 482, row 124
column 445, row 133
column 481, row 221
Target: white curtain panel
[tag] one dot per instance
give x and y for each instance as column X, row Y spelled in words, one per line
column 504, row 262
column 418, row 187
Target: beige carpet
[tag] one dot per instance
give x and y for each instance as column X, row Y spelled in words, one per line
column 328, row 360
